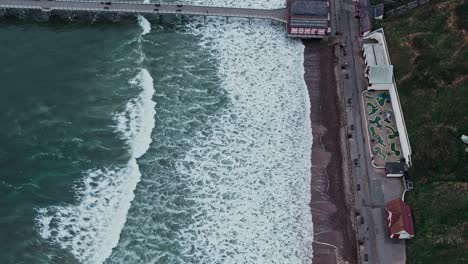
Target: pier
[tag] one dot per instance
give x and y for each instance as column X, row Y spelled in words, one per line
column 280, row 15
column 312, row 24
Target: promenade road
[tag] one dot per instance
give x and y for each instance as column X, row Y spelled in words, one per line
column 372, row 188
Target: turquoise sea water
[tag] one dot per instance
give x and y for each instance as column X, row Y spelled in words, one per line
column 147, row 143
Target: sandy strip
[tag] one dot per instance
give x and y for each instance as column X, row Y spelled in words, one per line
column 333, row 232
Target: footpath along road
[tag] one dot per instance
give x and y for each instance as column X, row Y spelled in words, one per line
column 371, row 188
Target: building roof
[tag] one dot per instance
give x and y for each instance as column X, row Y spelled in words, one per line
column 365, row 22
column 309, row 8
column 380, row 74
column 395, row 168
column 377, row 10
column 308, row 22
column 399, row 217
column 375, row 54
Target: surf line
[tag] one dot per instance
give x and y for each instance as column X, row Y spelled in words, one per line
column 91, row 229
column 137, row 122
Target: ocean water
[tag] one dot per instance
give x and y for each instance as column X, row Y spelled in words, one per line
column 148, row 142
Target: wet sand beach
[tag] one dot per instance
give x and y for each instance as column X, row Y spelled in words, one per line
column 334, row 237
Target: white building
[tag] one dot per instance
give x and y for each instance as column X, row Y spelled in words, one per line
column 379, row 74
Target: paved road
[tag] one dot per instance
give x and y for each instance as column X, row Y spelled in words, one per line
column 280, row 15
column 371, row 188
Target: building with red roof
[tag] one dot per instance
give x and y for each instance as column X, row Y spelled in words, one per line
column 399, row 219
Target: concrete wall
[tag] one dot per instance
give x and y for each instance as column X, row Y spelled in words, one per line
column 380, row 87
column 399, row 118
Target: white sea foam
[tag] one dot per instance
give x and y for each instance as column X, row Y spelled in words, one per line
column 91, row 228
column 144, row 24
column 250, row 178
column 247, row 179
column 136, row 122
column 241, row 194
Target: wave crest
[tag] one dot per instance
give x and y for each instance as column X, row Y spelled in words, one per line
column 137, row 121
column 91, row 229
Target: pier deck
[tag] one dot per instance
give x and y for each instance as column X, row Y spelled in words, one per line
column 280, row 15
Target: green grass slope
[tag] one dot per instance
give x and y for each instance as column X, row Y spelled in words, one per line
column 429, row 49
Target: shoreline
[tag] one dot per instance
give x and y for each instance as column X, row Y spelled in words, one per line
column 334, row 234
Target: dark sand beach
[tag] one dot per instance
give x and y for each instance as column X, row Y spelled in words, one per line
column 334, row 236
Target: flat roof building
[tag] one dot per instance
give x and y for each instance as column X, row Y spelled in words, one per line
column 377, row 11
column 381, row 74
column 395, row 169
column 367, row 13
column 308, row 18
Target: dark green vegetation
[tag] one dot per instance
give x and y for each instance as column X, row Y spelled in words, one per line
column 429, row 48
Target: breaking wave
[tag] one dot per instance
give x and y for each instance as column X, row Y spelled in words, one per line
column 91, row 228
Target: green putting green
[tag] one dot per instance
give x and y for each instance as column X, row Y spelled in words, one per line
column 373, row 108
column 378, row 137
column 381, row 99
column 393, row 148
column 378, row 150
column 394, row 134
column 376, row 121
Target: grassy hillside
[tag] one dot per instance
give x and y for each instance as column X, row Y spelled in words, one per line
column 429, row 49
